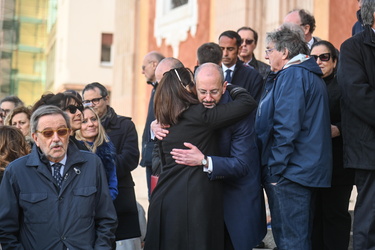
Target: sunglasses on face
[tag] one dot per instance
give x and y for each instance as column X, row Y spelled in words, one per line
column 323, row 57
column 73, row 109
column 47, row 133
column 247, row 41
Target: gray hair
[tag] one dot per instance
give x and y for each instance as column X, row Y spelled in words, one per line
column 46, row 110
column 288, row 36
column 210, row 65
column 367, row 12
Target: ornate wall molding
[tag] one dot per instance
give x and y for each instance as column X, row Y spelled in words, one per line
column 173, row 24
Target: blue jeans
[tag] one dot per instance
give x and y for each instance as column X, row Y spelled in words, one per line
column 291, row 214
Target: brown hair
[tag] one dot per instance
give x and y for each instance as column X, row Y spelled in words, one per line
column 15, row 111
column 12, row 145
column 174, row 94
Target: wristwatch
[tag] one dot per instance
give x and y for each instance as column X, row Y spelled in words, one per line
column 204, row 161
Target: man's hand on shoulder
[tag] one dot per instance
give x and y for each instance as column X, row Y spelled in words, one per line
column 159, row 131
column 190, row 157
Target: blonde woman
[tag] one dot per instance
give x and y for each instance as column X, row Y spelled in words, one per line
column 93, row 136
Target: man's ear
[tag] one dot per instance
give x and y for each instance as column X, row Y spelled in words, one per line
column 225, row 86
column 285, row 54
column 35, row 138
column 106, row 99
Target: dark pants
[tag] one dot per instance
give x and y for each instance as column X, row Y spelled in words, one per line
column 364, row 212
column 332, row 220
column 148, row 178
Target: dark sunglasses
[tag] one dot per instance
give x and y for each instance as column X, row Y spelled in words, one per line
column 93, row 101
column 73, row 109
column 47, row 133
column 247, row 41
column 323, row 57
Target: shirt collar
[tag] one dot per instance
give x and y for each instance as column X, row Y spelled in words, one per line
column 63, row 161
column 225, row 67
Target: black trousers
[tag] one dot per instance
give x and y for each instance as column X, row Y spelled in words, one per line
column 332, row 221
column 364, row 212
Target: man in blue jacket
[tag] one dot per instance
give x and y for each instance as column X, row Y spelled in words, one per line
column 56, row 197
column 294, row 134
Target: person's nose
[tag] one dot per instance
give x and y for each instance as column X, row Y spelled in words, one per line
column 18, row 125
column 225, row 52
column 208, row 97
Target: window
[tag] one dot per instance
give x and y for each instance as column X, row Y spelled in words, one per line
column 178, row 3
column 106, row 53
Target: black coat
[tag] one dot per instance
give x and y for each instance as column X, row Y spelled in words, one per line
column 147, row 143
column 356, row 77
column 248, row 78
column 263, row 68
column 340, row 176
column 122, row 132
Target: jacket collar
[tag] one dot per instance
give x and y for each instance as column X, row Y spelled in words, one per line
column 369, row 36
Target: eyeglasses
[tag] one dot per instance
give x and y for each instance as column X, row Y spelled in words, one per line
column 323, row 57
column 94, row 101
column 268, row 51
column 47, row 133
column 5, row 111
column 73, row 109
column 247, row 41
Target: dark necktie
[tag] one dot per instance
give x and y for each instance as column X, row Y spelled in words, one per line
column 228, row 77
column 56, row 173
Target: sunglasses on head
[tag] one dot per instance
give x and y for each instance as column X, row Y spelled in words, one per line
column 323, row 57
column 73, row 109
column 247, row 41
column 47, row 133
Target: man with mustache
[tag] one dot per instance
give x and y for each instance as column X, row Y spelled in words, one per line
column 56, row 197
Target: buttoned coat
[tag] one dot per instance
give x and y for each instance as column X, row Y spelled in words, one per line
column 35, row 214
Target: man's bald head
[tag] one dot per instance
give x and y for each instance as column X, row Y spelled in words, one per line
column 165, row 65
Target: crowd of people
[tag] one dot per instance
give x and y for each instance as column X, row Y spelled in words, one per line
column 299, row 129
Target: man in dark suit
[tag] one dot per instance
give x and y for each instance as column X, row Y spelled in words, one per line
column 235, row 71
column 122, row 132
column 238, row 166
column 150, row 61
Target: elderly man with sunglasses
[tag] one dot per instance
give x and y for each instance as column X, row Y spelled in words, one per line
column 56, row 197
column 249, row 41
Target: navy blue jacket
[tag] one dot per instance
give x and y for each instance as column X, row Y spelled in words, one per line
column 293, row 126
column 34, row 214
column 239, row 167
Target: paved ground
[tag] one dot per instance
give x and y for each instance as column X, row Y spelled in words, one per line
column 139, row 176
